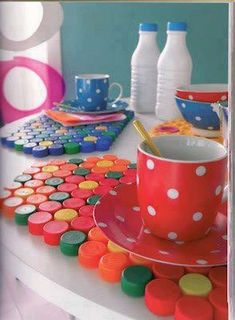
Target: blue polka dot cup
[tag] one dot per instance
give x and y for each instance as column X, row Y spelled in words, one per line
column 92, row 91
column 180, row 192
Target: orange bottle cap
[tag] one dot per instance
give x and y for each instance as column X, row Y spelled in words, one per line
column 97, row 234
column 167, row 271
column 90, row 252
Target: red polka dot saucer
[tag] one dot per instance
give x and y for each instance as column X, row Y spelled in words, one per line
column 118, row 215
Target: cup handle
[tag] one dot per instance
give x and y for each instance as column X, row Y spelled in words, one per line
column 120, row 88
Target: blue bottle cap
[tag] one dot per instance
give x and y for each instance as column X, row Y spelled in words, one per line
column 10, row 141
column 87, row 146
column 177, row 26
column 40, row 152
column 56, row 149
column 36, row 140
column 103, row 144
column 148, row 27
column 28, row 147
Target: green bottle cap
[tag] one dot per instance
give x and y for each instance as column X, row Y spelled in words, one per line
column 76, row 161
column 71, row 147
column 66, row 137
column 134, row 279
column 93, row 199
column 54, row 182
column 19, row 144
column 59, row 196
column 114, row 174
column 23, row 178
column 23, row 212
column 70, row 242
column 81, row 171
column 131, row 166
column 109, row 134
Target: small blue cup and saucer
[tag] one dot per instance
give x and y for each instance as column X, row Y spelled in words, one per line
column 92, row 95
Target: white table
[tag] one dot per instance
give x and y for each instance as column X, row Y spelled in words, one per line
column 55, row 277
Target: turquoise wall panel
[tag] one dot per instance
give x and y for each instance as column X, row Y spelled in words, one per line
column 101, row 37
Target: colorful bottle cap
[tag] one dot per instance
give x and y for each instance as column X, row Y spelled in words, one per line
column 218, row 299
column 139, row 260
column 36, row 222
column 23, row 192
column 88, row 185
column 23, row 212
column 62, row 173
column 54, row 182
column 59, row 196
column 119, row 167
column 167, row 271
column 87, row 165
column 13, row 186
column 112, row 247
column 161, row 296
column 10, row 141
column 67, row 187
column 81, row 171
column 10, row 204
column 102, row 190
column 73, row 203
column 110, row 157
column 70, row 241
column 76, row 161
column 201, row 270
column 103, row 144
column 4, row 194
column 19, row 144
column 130, row 172
column 90, row 252
column 86, row 210
column 93, row 199
column 39, row 164
column 50, row 206
column 82, row 223
column 94, row 176
column 195, row 284
column 104, row 163
column 34, row 184
column 109, row 182
column 68, row 166
column 218, row 276
column 193, row 308
column 46, row 190
column 114, row 174
column 97, row 234
column 71, row 147
column 122, row 162
column 42, row 176
column 28, row 147
column 127, row 179
column 36, row 199
column 103, row 170
column 45, row 143
column 131, row 166
column 93, row 159
column 81, row 193
column 31, row 171
column 23, row 178
column 53, row 230
column 57, row 162
column 56, row 149
column 65, row 215
column 134, row 279
column 40, row 151
column 50, row 168
column 111, row 266
column 87, row 146
column 74, row 179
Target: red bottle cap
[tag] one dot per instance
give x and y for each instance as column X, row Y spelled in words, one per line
column 36, row 199
column 81, row 193
column 161, row 296
column 62, row 173
column 73, row 203
column 109, row 182
column 94, row 176
column 97, row 234
column 50, row 206
column 167, row 271
column 68, row 166
column 53, row 230
column 57, row 162
column 86, row 211
column 218, row 276
column 130, row 172
column 36, row 222
column 42, row 176
column 10, row 204
column 82, row 224
column 193, row 308
column 46, row 190
column 201, row 270
column 128, row 179
column 218, row 299
column 74, row 179
column 102, row 190
column 67, row 187
column 34, row 184
column 31, row 170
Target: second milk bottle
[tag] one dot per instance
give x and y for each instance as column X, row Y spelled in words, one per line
column 144, row 70
column 174, row 70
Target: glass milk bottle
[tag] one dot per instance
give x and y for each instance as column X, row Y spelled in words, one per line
column 174, row 70
column 144, row 70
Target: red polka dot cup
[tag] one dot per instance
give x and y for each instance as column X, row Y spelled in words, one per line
column 179, row 193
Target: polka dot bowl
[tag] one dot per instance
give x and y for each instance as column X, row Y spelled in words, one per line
column 203, row 116
column 212, row 92
column 179, row 193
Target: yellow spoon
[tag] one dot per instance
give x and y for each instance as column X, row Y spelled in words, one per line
column 146, row 137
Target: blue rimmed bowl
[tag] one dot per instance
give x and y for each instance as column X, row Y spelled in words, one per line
column 203, row 116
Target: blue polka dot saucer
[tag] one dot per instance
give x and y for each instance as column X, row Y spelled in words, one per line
column 73, row 106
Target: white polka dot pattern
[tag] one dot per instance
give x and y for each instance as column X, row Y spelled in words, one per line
column 151, row 211
column 197, row 216
column 173, row 193
column 201, row 262
column 172, row 235
column 200, row 171
column 102, row 225
column 150, row 164
column 218, row 190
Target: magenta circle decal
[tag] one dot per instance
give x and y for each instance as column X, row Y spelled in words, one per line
column 51, row 78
